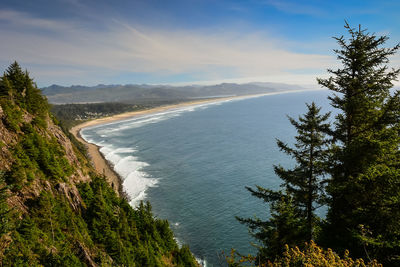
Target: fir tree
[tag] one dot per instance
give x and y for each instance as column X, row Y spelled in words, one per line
column 284, row 226
column 293, row 218
column 21, row 90
column 304, row 182
column 365, row 180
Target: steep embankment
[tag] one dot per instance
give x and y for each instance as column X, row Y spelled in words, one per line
column 55, row 209
column 98, row 161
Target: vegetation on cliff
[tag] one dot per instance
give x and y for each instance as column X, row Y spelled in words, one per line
column 54, row 209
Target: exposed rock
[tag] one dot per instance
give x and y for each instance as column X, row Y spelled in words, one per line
column 84, row 254
column 27, row 117
column 71, row 193
column 7, row 139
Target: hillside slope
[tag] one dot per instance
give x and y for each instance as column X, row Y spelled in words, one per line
column 55, row 210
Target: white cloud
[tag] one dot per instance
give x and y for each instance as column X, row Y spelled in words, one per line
column 124, row 48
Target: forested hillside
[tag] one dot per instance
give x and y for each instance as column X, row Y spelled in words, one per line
column 55, row 210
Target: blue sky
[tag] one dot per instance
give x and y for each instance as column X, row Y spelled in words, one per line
column 182, row 42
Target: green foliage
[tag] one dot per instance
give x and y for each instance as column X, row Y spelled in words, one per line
column 17, row 86
column 18, row 92
column 311, row 256
column 365, row 185
column 48, row 154
column 53, row 234
column 5, row 218
column 81, row 148
column 48, row 235
column 183, row 257
column 36, row 155
column 17, row 175
column 130, row 236
column 285, row 226
column 12, row 114
column 292, row 213
column 304, row 182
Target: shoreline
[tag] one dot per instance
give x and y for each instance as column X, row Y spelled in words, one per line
column 103, row 166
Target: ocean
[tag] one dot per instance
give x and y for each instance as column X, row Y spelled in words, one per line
column 193, row 164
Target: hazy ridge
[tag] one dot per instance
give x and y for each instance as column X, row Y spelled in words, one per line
column 130, row 93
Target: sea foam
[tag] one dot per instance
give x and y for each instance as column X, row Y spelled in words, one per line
column 135, row 180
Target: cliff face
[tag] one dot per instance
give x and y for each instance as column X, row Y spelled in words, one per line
column 55, row 209
column 9, row 139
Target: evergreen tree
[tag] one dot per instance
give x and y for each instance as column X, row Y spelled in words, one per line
column 285, row 226
column 304, row 181
column 4, row 87
column 20, row 88
column 293, row 218
column 16, row 82
column 365, row 180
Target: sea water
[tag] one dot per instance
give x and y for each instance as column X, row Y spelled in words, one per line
column 193, row 164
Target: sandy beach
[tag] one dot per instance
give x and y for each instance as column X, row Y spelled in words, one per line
column 102, row 165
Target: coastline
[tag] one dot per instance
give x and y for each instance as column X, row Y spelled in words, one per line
column 103, row 166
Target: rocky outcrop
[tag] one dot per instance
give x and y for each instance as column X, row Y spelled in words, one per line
column 7, row 139
column 85, row 255
column 71, row 193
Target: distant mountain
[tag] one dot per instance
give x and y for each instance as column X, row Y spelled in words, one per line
column 141, row 93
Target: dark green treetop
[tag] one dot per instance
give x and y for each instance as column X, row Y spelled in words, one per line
column 362, row 86
column 17, row 86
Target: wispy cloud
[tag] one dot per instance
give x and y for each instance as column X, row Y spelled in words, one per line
column 295, row 7
column 62, row 45
column 22, row 21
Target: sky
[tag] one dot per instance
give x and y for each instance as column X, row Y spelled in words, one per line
column 90, row 42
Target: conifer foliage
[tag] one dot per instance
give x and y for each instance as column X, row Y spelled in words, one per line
column 304, row 182
column 293, row 211
column 364, row 207
column 17, row 86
